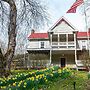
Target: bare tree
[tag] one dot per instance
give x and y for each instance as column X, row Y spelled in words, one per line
column 86, row 12
column 85, row 9
column 85, row 58
column 16, row 14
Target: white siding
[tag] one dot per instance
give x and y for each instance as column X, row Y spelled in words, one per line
column 63, row 28
column 37, row 44
column 82, row 43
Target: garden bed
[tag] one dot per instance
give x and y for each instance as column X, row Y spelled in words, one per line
column 40, row 79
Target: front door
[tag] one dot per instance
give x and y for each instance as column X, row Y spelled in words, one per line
column 63, row 62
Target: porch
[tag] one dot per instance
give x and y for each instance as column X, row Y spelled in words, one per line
column 38, row 58
column 63, row 40
column 63, row 58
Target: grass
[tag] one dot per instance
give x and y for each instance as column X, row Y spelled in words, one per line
column 79, row 77
column 14, row 72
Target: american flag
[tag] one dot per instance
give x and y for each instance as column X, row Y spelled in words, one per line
column 74, row 6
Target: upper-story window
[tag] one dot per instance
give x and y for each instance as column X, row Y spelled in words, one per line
column 54, row 38
column 42, row 44
column 62, row 37
column 84, row 44
column 70, row 37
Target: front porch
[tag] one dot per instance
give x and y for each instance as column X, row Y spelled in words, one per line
column 63, row 58
column 38, row 58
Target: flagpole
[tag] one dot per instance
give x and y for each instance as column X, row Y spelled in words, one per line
column 86, row 29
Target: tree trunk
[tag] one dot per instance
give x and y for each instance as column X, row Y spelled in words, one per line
column 2, row 64
column 11, row 34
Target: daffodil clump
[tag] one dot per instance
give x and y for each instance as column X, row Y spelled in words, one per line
column 34, row 80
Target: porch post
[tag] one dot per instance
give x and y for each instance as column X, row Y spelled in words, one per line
column 67, row 40
column 28, row 62
column 50, row 39
column 50, row 49
column 50, row 56
column 58, row 40
column 75, row 50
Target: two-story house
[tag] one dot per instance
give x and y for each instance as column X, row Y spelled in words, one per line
column 61, row 45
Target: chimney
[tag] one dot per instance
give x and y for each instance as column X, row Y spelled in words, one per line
column 32, row 31
column 89, row 30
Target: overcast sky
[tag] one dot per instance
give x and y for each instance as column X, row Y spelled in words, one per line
column 58, row 8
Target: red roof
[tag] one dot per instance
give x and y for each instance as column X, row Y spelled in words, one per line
column 45, row 35
column 82, row 34
column 39, row 36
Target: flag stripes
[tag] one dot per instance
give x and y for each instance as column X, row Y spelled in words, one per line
column 74, row 6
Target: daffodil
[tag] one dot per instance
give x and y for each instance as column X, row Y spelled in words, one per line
column 14, row 84
column 25, row 83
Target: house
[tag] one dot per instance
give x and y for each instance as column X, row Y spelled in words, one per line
column 61, row 45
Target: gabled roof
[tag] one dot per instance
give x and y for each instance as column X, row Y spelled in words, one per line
column 60, row 20
column 38, row 36
column 82, row 34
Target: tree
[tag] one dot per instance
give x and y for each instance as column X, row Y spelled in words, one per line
column 85, row 9
column 18, row 13
column 85, row 58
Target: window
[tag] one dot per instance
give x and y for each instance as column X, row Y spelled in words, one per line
column 62, row 37
column 42, row 44
column 54, row 38
column 84, row 44
column 70, row 37
column 83, row 47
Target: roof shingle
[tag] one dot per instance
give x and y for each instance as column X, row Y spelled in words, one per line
column 39, row 36
column 82, row 34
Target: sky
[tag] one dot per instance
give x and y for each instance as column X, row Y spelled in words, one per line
column 58, row 8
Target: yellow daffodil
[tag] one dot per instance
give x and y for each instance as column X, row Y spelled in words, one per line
column 14, row 84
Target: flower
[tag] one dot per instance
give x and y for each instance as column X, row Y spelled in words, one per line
column 25, row 83
column 59, row 71
column 46, row 80
column 14, row 84
column 32, row 78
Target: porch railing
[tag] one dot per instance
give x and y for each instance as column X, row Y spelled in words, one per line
column 63, row 44
column 79, row 63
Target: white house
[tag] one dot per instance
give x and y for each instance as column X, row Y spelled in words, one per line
column 61, row 45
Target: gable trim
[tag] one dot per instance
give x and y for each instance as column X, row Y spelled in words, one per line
column 59, row 21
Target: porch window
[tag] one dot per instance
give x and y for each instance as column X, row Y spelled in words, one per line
column 70, row 37
column 62, row 37
column 42, row 44
column 54, row 38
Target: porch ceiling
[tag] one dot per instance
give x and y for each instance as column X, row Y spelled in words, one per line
column 63, row 52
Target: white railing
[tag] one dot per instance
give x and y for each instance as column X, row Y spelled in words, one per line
column 71, row 43
column 79, row 63
column 63, row 43
column 54, row 43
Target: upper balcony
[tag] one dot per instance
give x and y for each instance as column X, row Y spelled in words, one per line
column 63, row 45
column 63, row 41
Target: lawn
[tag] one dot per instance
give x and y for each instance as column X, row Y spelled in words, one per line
column 15, row 72
column 79, row 77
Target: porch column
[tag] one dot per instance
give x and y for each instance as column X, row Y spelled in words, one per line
column 50, row 49
column 50, row 39
column 75, row 50
column 50, row 57
column 67, row 40
column 28, row 62
column 58, row 40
